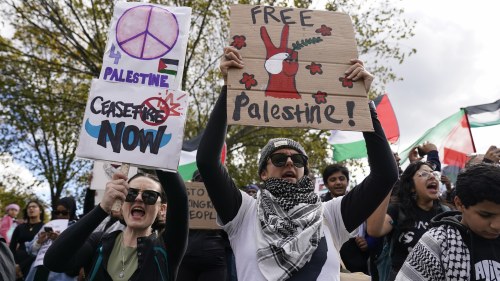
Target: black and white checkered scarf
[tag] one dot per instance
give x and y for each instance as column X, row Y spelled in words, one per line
column 290, row 221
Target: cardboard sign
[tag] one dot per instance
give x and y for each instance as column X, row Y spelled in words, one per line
column 133, row 124
column 202, row 214
column 146, row 45
column 319, row 186
column 294, row 74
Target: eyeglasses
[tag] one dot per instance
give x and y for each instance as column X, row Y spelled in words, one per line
column 425, row 174
column 61, row 213
column 279, row 159
column 149, row 197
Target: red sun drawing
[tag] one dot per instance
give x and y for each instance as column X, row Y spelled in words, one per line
column 147, row 32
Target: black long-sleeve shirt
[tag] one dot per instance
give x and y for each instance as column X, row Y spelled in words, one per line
column 227, row 199
column 76, row 248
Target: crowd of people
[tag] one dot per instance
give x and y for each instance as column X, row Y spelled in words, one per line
column 396, row 224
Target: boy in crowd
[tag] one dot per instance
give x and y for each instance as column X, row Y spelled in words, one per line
column 462, row 245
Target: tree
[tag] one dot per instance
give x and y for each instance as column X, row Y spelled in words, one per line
column 58, row 47
column 14, row 186
column 40, row 130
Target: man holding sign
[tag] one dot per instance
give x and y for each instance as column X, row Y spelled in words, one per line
column 287, row 233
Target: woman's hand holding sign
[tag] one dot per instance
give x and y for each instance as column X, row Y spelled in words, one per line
column 116, row 190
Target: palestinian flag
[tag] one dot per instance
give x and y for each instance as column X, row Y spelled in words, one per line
column 484, row 114
column 351, row 145
column 168, row 66
column 187, row 162
column 453, row 138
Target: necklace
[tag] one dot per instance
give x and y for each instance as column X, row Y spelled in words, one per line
column 122, row 273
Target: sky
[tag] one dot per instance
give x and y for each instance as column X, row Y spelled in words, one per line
column 456, row 65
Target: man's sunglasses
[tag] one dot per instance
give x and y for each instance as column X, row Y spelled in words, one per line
column 149, row 197
column 279, row 159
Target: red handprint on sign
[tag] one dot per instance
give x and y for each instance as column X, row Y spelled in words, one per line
column 282, row 66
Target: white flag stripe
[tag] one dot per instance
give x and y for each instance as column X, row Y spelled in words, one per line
column 340, row 137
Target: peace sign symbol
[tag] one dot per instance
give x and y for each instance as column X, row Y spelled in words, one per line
column 147, row 32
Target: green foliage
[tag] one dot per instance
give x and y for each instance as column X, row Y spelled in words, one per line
column 9, row 196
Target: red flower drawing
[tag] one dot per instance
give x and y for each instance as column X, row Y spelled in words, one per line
column 324, row 30
column 314, row 68
column 248, row 80
column 346, row 83
column 320, row 97
column 239, row 42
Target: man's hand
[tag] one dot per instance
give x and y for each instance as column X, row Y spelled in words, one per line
column 230, row 58
column 493, row 154
column 413, row 155
column 427, row 147
column 357, row 71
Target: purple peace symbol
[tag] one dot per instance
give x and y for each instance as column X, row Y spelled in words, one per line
column 147, row 32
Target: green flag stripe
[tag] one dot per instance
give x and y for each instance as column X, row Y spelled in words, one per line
column 168, row 71
column 436, row 134
column 484, row 124
column 186, row 171
column 352, row 150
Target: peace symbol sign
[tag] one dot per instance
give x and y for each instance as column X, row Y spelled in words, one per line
column 147, row 32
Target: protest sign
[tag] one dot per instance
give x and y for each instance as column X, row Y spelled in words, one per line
column 133, row 124
column 294, row 74
column 57, row 226
column 202, row 214
column 135, row 113
column 319, row 186
column 146, row 45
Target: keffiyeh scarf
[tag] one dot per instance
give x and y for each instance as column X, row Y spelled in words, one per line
column 290, row 222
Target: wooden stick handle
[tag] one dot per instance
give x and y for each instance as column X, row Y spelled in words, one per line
column 118, row 203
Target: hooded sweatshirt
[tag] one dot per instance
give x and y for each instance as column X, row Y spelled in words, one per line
column 448, row 249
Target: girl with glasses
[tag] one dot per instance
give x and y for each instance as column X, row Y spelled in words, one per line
column 287, row 233
column 137, row 252
column 409, row 217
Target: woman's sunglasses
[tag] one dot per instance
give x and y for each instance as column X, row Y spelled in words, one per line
column 61, row 213
column 279, row 159
column 149, row 197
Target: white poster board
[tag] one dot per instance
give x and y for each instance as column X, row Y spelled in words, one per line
column 135, row 112
column 134, row 124
column 57, row 226
column 146, row 45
